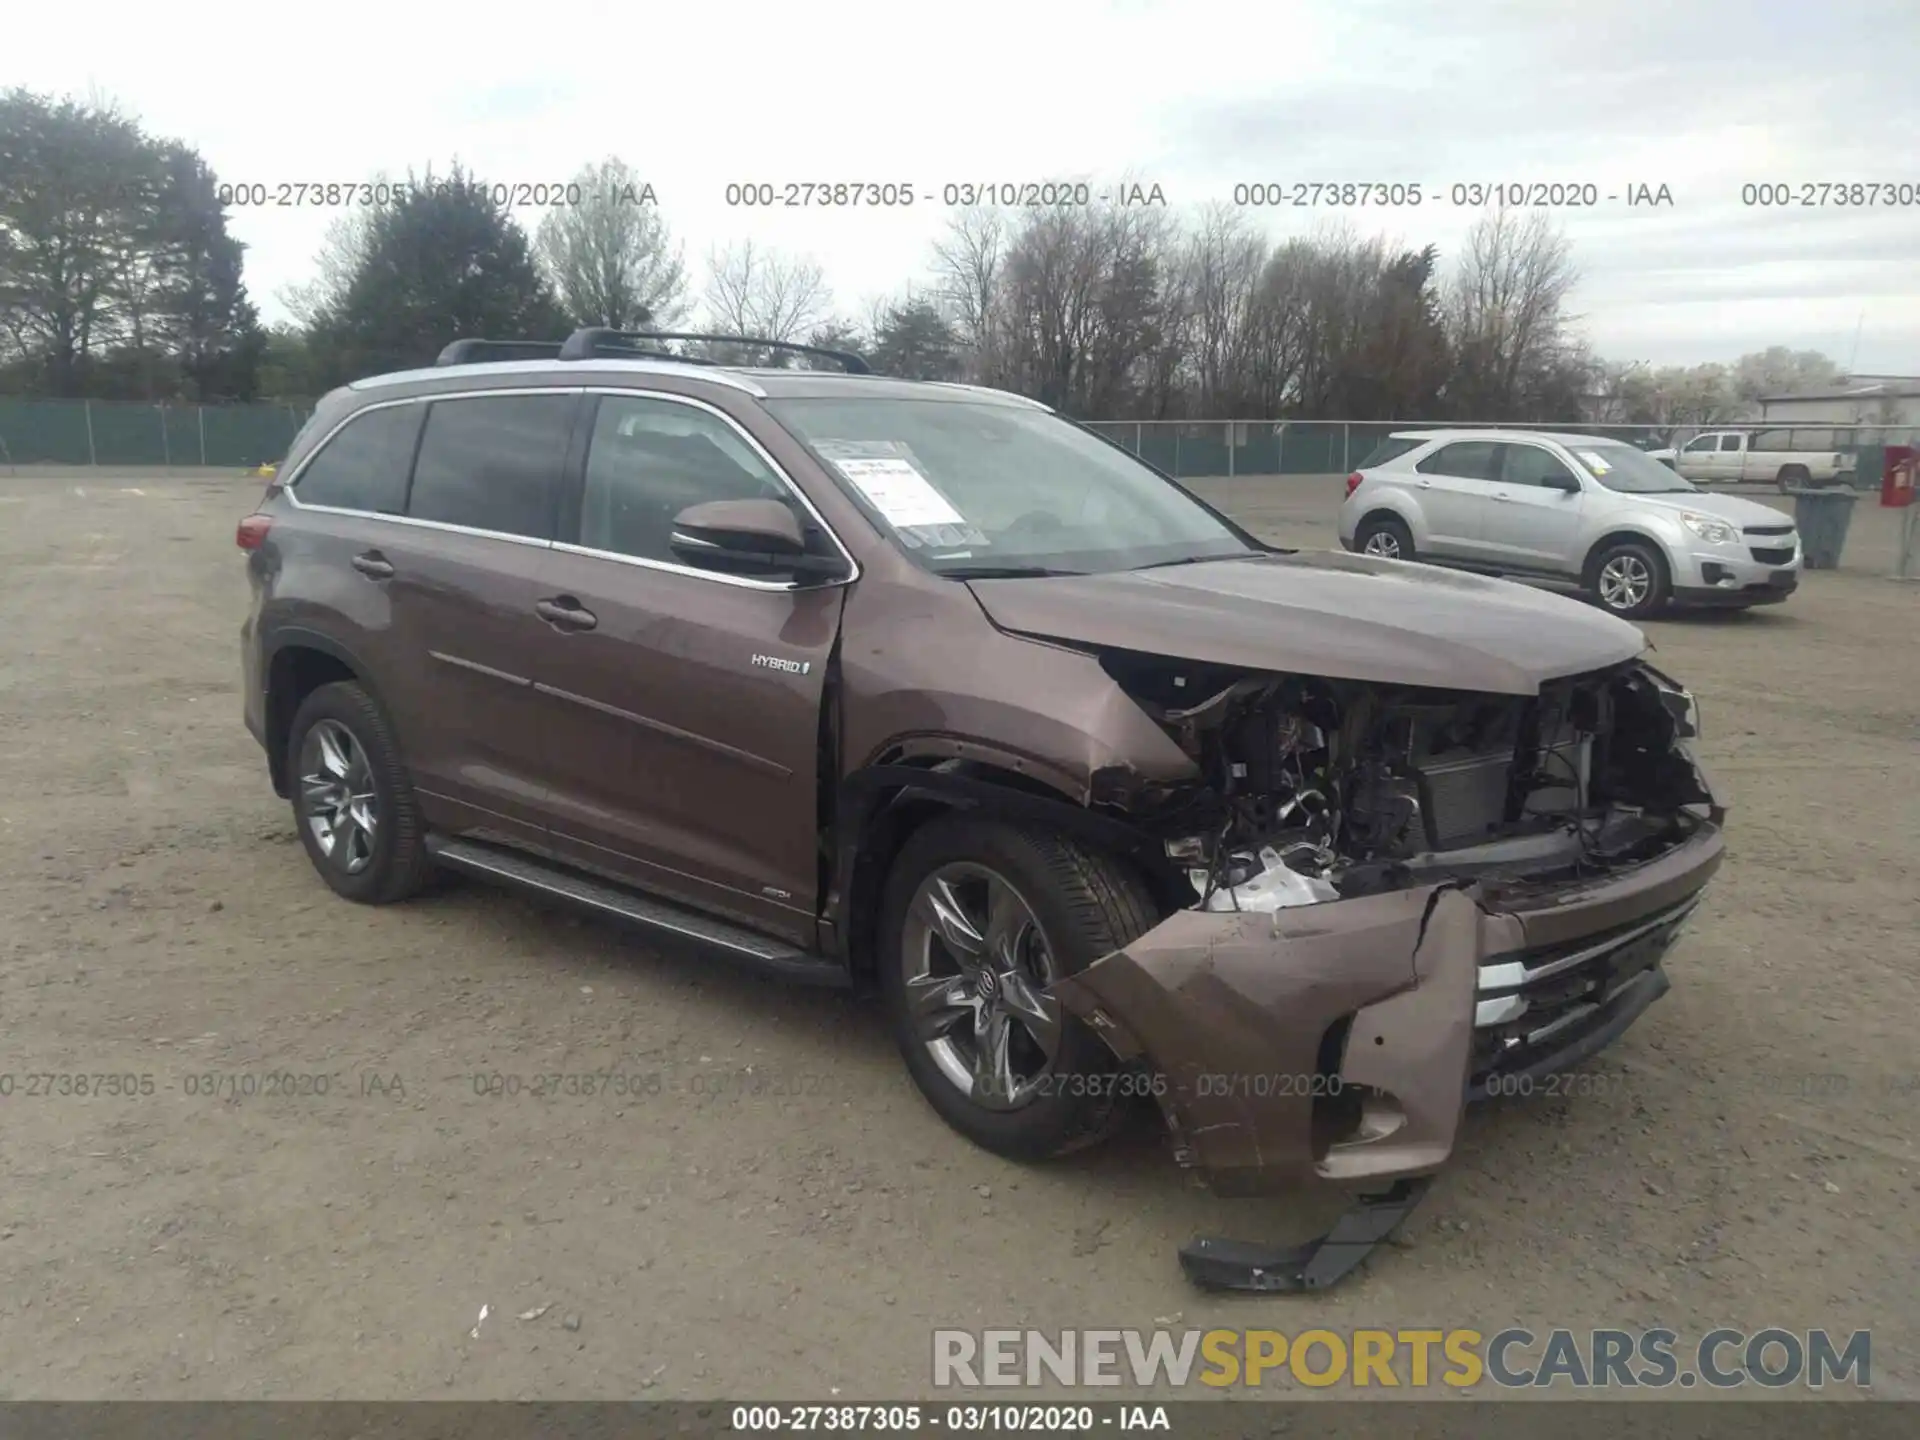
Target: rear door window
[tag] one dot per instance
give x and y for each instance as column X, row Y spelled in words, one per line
column 364, row 465
column 1464, row 459
column 1729, row 442
column 493, row 462
column 1388, row 450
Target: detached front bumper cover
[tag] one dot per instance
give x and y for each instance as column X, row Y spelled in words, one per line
column 1232, row 1010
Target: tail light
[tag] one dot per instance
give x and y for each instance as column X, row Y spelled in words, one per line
column 1353, row 483
column 253, row 532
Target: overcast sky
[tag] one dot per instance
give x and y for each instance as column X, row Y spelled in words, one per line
column 1701, row 96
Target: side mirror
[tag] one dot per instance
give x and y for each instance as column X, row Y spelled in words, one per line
column 748, row 537
column 1567, row 484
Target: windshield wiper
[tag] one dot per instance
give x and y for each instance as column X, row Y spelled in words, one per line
column 1002, row 572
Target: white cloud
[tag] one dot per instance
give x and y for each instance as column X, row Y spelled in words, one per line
column 1194, row 96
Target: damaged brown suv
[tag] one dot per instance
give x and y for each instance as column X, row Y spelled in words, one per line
column 921, row 687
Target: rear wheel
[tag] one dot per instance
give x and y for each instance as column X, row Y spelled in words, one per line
column 1386, row 536
column 1791, row 475
column 352, row 801
column 1630, row 578
column 979, row 919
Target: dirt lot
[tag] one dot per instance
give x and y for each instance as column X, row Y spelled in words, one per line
column 1753, row 1164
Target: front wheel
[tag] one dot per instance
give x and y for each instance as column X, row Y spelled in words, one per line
column 1630, row 579
column 979, row 920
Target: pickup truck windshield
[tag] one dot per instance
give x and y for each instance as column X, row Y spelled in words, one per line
column 1625, row 469
column 971, row 489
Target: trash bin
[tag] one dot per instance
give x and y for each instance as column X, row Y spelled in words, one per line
column 1822, row 517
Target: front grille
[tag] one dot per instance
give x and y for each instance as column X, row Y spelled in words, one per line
column 1773, row 556
column 1769, row 529
column 1534, row 1003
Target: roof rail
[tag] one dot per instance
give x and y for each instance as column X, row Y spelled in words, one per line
column 480, row 352
column 585, row 344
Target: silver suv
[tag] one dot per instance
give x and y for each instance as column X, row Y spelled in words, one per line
column 1571, row 508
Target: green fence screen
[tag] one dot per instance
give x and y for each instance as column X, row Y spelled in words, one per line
column 126, row 433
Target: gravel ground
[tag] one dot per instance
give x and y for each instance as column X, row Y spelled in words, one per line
column 783, row 1215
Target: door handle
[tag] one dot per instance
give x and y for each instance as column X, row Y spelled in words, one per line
column 373, row 565
column 1426, row 484
column 1501, row 495
column 566, row 612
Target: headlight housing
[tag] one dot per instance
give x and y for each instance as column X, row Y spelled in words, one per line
column 1714, row 532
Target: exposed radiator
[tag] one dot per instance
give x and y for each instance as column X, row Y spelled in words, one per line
column 1464, row 798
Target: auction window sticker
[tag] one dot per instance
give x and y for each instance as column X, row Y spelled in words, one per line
column 891, row 479
column 1593, row 462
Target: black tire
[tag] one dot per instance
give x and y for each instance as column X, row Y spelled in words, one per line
column 1390, row 529
column 1792, row 475
column 396, row 863
column 1086, row 905
column 1630, row 553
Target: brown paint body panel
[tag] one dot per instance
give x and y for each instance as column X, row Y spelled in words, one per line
column 1331, row 614
column 1231, row 1010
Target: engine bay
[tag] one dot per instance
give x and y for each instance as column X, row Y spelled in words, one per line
column 1317, row 789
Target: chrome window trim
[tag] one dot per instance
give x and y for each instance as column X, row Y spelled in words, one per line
column 779, row 473
column 638, row 365
column 292, row 484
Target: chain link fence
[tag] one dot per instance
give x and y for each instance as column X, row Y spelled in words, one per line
column 1206, row 449
column 129, row 432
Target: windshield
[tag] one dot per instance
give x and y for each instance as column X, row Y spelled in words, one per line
column 1623, row 468
column 970, row 489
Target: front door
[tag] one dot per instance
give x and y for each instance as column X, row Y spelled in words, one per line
column 683, row 714
column 1534, row 522
column 1454, row 488
column 1696, row 458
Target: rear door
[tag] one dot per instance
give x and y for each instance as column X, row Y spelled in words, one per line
column 1533, row 522
column 465, row 575
column 1729, row 461
column 683, row 710
column 1454, row 489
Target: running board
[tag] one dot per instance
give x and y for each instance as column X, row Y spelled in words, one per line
column 661, row 917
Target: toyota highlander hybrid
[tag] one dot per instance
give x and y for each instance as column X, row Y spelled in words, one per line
column 922, row 688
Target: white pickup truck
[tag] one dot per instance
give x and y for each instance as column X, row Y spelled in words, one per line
column 1783, row 456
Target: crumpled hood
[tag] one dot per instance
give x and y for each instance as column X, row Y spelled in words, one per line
column 1734, row 509
column 1325, row 613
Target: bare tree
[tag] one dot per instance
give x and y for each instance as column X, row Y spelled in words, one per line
column 343, row 250
column 968, row 267
column 611, row 258
column 755, row 291
column 1505, row 312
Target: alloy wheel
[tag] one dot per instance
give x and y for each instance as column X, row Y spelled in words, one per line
column 1625, row 582
column 977, row 967
column 1383, row 543
column 338, row 802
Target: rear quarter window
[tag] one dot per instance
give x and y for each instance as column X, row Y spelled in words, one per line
column 364, row 465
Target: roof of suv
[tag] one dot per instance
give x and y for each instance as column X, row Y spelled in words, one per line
column 1559, row 437
column 763, row 382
